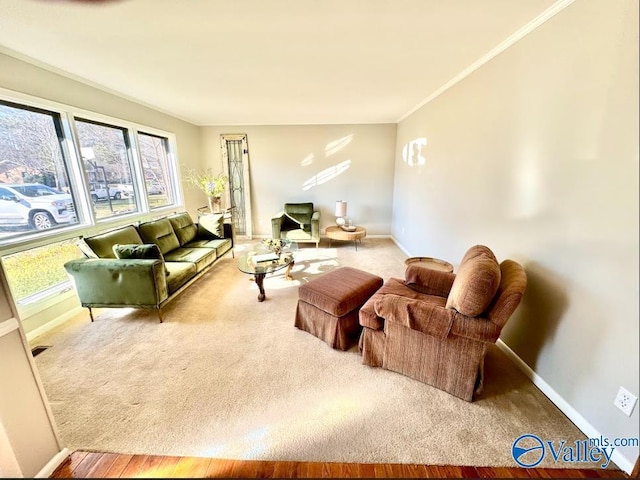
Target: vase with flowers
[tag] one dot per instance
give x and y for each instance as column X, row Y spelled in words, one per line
column 212, row 185
column 274, row 244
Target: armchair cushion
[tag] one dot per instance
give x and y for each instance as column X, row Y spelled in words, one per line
column 428, row 318
column 429, row 281
column 394, row 286
column 475, row 285
column 301, row 212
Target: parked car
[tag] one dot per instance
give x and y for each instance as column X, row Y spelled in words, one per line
column 36, row 205
column 98, row 191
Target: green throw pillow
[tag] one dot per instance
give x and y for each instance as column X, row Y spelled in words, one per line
column 211, row 226
column 147, row 251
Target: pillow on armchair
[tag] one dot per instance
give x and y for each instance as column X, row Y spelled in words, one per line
column 475, row 285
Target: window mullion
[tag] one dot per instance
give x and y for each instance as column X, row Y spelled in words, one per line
column 78, row 175
column 138, row 171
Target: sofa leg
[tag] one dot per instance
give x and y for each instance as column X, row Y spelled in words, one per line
column 90, row 313
column 160, row 315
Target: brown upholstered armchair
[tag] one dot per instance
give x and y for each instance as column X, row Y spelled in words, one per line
column 298, row 222
column 436, row 327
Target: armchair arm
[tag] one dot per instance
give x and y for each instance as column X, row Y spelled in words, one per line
column 276, row 224
column 435, row 320
column 475, row 328
column 429, row 281
column 425, row 317
column 106, row 281
column 315, row 224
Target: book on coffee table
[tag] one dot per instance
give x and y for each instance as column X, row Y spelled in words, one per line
column 265, row 257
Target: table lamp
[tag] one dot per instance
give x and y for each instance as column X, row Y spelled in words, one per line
column 341, row 212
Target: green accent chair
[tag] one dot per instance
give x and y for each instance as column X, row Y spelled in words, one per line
column 298, row 222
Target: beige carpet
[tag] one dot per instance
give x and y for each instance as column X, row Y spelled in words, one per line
column 230, row 377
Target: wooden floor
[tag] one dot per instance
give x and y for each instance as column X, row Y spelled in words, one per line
column 84, row 464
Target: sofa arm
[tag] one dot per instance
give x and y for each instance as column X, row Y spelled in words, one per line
column 427, row 318
column 228, row 231
column 429, row 281
column 118, row 282
column 315, row 224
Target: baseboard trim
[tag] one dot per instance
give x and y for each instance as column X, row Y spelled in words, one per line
column 400, row 246
column 54, row 463
column 53, row 323
column 589, row 430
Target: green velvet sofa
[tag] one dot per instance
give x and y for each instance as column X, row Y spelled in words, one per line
column 147, row 265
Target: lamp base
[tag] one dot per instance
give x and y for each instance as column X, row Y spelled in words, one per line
column 340, row 221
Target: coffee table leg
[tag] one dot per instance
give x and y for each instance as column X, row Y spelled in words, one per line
column 259, row 282
column 287, row 274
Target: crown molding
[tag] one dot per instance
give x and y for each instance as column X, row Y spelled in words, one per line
column 521, row 33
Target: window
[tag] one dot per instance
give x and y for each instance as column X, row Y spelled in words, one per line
column 66, row 172
column 154, row 153
column 36, row 193
column 39, row 271
column 105, row 155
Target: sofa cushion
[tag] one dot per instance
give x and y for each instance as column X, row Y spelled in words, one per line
column 475, row 285
column 183, row 227
column 201, row 257
column 179, row 274
column 211, row 226
column 161, row 233
column 221, row 246
column 102, row 244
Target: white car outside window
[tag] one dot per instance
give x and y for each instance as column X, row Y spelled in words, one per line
column 35, row 205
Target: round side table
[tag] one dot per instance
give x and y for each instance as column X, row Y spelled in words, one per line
column 430, row 262
column 337, row 233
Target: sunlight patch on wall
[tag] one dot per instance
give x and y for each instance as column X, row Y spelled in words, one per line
column 412, row 152
column 308, row 160
column 527, row 196
column 337, row 145
column 326, row 175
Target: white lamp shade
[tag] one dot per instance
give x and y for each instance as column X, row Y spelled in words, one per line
column 341, row 208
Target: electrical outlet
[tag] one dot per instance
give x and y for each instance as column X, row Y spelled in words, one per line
column 625, row 401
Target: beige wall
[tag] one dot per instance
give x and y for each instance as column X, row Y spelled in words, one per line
column 317, row 163
column 28, row 439
column 536, row 155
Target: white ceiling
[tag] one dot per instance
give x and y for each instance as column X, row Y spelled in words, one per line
column 226, row 62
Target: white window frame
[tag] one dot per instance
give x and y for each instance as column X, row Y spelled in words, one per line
column 87, row 223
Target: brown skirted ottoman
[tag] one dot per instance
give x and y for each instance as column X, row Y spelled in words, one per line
column 329, row 306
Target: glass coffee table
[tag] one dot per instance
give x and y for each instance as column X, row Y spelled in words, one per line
column 260, row 260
